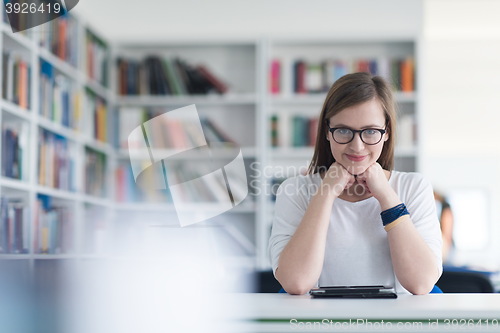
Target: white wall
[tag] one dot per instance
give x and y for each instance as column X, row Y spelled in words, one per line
column 166, row 19
column 461, row 106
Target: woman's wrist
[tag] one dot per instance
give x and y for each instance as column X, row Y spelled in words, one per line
column 389, row 200
column 330, row 190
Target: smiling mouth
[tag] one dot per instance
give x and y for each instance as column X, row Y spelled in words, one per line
column 355, row 158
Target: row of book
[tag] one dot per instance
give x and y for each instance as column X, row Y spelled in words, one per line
column 56, row 161
column 59, row 99
column 302, row 77
column 53, row 229
column 97, row 58
column 16, row 78
column 128, row 191
column 96, row 116
column 193, row 185
column 14, row 226
column 95, row 173
column 164, row 133
column 15, row 150
column 165, row 76
column 293, row 131
column 60, row 37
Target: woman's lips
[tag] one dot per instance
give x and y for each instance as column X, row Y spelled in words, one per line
column 356, row 158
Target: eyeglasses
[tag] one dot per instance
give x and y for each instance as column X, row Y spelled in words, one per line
column 369, row 136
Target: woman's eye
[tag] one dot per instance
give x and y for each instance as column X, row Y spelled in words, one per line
column 370, row 132
column 344, row 131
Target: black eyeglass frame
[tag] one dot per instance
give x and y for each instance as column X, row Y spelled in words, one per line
column 333, row 129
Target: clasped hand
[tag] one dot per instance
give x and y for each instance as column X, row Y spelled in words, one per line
column 373, row 179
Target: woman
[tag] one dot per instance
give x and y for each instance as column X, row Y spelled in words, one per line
column 445, row 216
column 346, row 222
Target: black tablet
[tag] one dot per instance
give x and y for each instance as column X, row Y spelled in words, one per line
column 376, row 291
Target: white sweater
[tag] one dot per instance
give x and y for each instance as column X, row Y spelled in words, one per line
column 357, row 250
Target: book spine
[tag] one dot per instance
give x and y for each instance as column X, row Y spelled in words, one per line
column 97, row 54
column 274, row 131
column 275, row 76
column 218, row 84
column 4, row 220
column 407, row 75
column 300, row 78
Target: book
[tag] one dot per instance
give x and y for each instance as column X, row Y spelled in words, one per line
column 16, row 79
column 14, row 226
column 275, row 77
column 407, row 75
column 96, row 111
column 300, row 131
column 15, row 161
column 55, row 161
column 213, row 80
column 95, row 173
column 300, row 77
column 214, row 134
column 60, row 37
column 53, row 227
column 178, row 87
column 97, row 57
column 274, row 131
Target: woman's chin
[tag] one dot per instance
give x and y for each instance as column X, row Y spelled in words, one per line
column 355, row 169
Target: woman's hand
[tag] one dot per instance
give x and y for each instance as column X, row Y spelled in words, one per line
column 337, row 179
column 375, row 181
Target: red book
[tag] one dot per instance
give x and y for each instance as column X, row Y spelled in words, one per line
column 220, row 86
column 275, row 73
column 61, row 40
column 363, row 66
column 301, row 78
column 123, row 77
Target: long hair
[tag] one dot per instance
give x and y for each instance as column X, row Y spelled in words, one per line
column 349, row 90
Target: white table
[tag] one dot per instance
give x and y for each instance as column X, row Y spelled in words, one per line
column 407, row 313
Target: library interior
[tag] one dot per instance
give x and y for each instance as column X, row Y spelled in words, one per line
column 143, row 145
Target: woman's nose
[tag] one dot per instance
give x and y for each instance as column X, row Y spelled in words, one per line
column 357, row 144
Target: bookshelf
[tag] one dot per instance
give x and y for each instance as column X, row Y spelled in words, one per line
column 56, row 151
column 229, row 113
column 83, row 95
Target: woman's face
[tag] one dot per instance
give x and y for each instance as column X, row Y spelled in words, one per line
column 356, row 156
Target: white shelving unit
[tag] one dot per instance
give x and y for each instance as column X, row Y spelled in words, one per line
column 236, row 113
column 28, row 189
